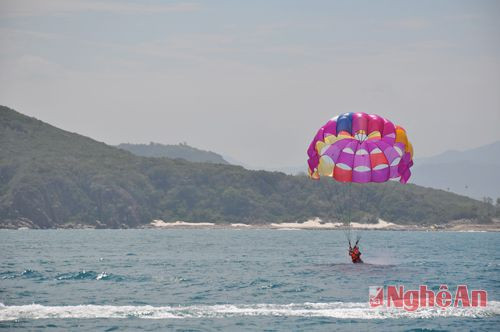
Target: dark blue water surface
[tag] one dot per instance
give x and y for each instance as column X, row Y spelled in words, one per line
column 250, row 279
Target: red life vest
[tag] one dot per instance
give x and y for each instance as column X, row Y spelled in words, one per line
column 355, row 255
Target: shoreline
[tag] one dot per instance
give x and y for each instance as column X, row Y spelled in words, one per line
column 462, row 226
column 317, row 224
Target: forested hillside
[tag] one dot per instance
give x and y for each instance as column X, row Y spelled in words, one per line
column 53, row 178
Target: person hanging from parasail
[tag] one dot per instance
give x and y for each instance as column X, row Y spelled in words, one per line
column 360, row 148
column 355, row 253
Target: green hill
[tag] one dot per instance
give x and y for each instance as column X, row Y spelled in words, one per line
column 53, row 178
column 180, row 151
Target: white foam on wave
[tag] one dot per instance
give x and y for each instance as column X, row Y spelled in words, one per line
column 339, row 310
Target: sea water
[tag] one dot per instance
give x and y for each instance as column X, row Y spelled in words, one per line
column 237, row 279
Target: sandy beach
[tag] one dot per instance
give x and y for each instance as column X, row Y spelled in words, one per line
column 318, row 224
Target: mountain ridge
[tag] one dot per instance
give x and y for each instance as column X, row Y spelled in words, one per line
column 488, row 153
column 473, row 172
column 181, row 151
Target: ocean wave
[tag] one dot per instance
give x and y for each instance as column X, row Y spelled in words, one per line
column 339, row 310
column 80, row 275
column 89, row 275
column 29, row 274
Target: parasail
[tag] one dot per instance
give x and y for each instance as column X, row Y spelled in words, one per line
column 359, row 147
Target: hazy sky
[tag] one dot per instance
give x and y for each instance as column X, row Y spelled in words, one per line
column 255, row 79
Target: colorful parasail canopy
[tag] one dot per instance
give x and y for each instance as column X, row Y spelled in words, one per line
column 360, row 147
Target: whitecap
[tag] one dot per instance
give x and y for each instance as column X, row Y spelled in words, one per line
column 339, row 310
